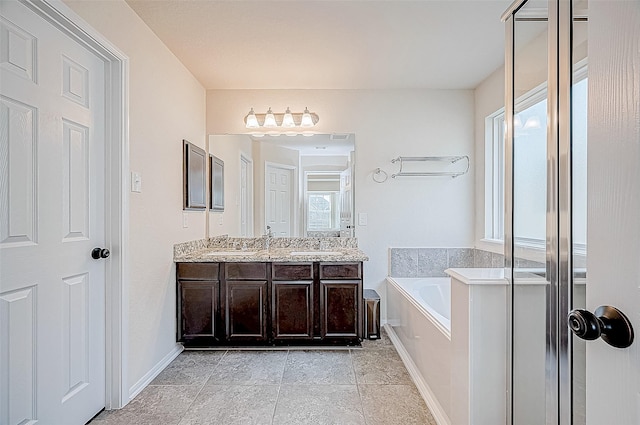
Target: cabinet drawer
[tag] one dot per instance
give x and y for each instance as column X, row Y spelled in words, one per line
column 245, row 270
column 198, row 271
column 289, row 271
column 340, row 270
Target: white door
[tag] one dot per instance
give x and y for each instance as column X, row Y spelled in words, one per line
column 279, row 187
column 613, row 374
column 246, row 195
column 346, row 204
column 52, row 302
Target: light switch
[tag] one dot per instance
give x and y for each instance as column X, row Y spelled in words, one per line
column 185, row 220
column 136, row 182
column 362, row 219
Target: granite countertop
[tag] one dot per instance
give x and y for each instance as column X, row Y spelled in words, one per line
column 274, row 255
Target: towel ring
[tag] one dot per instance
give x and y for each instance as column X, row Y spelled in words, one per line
column 380, row 176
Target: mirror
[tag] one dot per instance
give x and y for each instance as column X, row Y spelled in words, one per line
column 299, row 186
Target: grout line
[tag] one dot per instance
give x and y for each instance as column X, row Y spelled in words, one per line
column 200, row 390
column 275, row 406
column 355, row 377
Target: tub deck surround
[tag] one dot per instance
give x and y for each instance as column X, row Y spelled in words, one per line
column 460, row 371
column 478, row 276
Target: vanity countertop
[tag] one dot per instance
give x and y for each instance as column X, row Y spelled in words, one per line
column 274, row 255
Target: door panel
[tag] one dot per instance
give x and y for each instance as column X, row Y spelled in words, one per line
column 613, row 181
column 292, row 309
column 246, row 310
column 339, row 308
column 51, row 217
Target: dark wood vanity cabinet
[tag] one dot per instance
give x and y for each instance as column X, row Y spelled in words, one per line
column 292, row 301
column 261, row 303
column 245, row 302
column 341, row 300
column 198, row 291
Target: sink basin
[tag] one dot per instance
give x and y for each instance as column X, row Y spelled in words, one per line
column 316, row 253
column 230, row 253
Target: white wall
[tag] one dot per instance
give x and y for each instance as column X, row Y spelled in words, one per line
column 422, row 211
column 166, row 105
column 489, row 97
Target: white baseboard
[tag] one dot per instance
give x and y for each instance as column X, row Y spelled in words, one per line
column 429, row 398
column 155, row 371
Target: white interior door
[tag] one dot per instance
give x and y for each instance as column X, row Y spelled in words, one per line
column 346, row 204
column 52, row 302
column 279, row 189
column 613, row 374
column 246, row 195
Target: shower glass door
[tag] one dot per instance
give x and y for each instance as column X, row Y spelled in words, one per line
column 532, row 302
column 545, row 208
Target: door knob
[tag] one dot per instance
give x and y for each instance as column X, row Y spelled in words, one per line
column 98, row 253
column 606, row 322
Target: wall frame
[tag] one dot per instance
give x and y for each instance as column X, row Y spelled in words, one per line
column 194, row 180
column 216, row 183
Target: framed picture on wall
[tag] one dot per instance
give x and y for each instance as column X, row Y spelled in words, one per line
column 216, row 183
column 194, row 165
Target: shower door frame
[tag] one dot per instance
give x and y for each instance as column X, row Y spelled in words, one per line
column 559, row 376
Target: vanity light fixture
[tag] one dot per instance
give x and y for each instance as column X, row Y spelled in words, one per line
column 251, row 120
column 269, row 120
column 306, row 120
column 287, row 120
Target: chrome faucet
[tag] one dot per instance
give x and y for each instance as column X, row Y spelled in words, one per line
column 268, row 236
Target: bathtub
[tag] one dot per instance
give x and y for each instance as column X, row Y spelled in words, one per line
column 451, row 335
column 431, row 296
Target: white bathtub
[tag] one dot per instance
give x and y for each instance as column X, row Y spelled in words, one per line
column 451, row 335
column 431, row 296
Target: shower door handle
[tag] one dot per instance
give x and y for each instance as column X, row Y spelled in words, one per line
column 606, row 322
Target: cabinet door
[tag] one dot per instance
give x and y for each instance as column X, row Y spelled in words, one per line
column 292, row 309
column 197, row 304
column 246, row 310
column 340, row 308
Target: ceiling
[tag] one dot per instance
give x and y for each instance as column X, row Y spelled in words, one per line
column 315, row 145
column 329, row 44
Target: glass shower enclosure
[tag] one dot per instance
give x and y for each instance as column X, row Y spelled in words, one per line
column 545, row 208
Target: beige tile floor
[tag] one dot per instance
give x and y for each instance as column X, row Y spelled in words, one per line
column 367, row 385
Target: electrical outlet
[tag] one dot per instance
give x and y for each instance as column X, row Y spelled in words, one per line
column 362, row 219
column 185, row 220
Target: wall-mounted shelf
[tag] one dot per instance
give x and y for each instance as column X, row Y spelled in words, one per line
column 450, row 159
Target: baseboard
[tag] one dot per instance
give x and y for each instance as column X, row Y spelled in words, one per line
column 155, row 371
column 429, row 398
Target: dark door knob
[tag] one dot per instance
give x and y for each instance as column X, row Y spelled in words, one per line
column 606, row 322
column 98, row 253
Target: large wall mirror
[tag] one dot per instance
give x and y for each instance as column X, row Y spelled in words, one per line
column 299, row 186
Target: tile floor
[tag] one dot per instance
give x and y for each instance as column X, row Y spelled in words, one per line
column 367, row 385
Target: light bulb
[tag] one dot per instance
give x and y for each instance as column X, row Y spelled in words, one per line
column 251, row 121
column 532, row 122
column 270, row 120
column 517, row 121
column 287, row 119
column 306, row 121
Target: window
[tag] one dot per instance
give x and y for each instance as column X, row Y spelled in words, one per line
column 323, row 211
column 530, row 172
